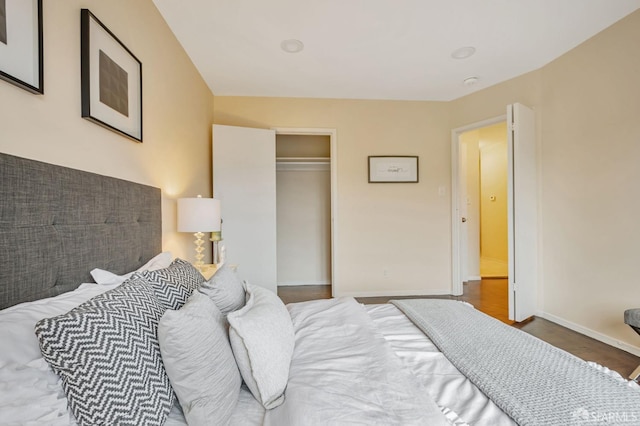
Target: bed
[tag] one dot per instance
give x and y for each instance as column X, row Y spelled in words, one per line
column 77, row 250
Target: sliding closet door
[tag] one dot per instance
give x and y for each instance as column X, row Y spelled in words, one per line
column 244, row 180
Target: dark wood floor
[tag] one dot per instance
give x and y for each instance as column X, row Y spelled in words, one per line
column 490, row 297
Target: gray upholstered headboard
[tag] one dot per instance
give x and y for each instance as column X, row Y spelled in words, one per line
column 56, row 224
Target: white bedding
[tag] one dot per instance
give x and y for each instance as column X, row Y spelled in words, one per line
column 449, row 388
column 344, row 372
column 334, row 339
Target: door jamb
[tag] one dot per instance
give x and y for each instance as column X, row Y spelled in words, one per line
column 333, row 150
column 456, row 266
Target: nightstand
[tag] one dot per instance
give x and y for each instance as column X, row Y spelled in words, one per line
column 209, row 269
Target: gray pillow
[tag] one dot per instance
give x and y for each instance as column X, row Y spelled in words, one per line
column 262, row 340
column 107, row 354
column 225, row 289
column 174, row 284
column 198, row 359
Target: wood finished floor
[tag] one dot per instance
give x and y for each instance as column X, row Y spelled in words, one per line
column 490, row 297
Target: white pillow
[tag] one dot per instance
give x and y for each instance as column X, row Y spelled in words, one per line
column 103, row 277
column 19, row 342
column 199, row 362
column 225, row 289
column 262, row 340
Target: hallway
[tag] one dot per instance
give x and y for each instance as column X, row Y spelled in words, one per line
column 489, row 296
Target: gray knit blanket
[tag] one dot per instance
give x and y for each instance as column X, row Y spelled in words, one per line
column 532, row 381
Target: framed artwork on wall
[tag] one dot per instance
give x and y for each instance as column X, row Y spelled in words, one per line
column 111, row 79
column 21, row 50
column 393, row 169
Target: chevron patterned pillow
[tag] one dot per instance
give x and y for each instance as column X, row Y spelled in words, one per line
column 173, row 285
column 107, row 354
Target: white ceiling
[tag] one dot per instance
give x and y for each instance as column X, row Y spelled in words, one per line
column 378, row 49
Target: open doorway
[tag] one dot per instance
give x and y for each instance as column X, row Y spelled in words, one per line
column 306, row 194
column 522, row 210
column 303, row 210
column 483, row 192
column 485, row 169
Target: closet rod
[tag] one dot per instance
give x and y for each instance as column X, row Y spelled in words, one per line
column 303, row 159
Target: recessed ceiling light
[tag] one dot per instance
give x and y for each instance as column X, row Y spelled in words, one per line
column 292, row 45
column 470, row 81
column 463, row 52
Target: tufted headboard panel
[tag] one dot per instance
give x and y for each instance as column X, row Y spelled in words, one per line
column 56, row 224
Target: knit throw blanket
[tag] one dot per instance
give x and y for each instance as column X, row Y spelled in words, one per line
column 532, row 381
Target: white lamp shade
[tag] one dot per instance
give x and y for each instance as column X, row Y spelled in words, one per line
column 198, row 215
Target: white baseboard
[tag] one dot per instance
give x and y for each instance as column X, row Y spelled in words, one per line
column 295, row 283
column 591, row 333
column 391, row 293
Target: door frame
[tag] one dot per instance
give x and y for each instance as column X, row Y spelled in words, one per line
column 456, row 253
column 333, row 152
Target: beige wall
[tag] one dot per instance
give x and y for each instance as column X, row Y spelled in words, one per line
column 492, row 102
column 587, row 105
column 590, row 173
column 401, row 228
column 177, row 108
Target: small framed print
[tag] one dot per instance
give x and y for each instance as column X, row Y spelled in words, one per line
column 111, row 79
column 21, row 44
column 393, row 169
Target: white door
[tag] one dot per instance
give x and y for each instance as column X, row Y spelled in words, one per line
column 244, row 180
column 523, row 212
column 464, row 212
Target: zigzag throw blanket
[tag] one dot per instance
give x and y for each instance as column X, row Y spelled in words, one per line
column 532, row 381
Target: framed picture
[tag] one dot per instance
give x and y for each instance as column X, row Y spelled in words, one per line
column 393, row 169
column 111, row 79
column 21, row 44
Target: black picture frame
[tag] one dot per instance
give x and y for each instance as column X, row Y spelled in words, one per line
column 23, row 70
column 393, row 169
column 111, row 79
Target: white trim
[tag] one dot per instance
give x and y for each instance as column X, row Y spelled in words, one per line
column 333, row 142
column 456, row 267
column 392, row 293
column 590, row 333
column 474, row 278
column 294, row 283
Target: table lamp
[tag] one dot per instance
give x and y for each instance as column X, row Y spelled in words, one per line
column 198, row 215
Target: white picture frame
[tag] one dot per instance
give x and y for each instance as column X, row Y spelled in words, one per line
column 393, row 169
column 21, row 44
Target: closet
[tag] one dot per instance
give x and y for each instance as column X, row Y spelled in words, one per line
column 278, row 204
column 303, row 210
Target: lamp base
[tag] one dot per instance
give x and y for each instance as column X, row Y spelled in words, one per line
column 199, row 249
